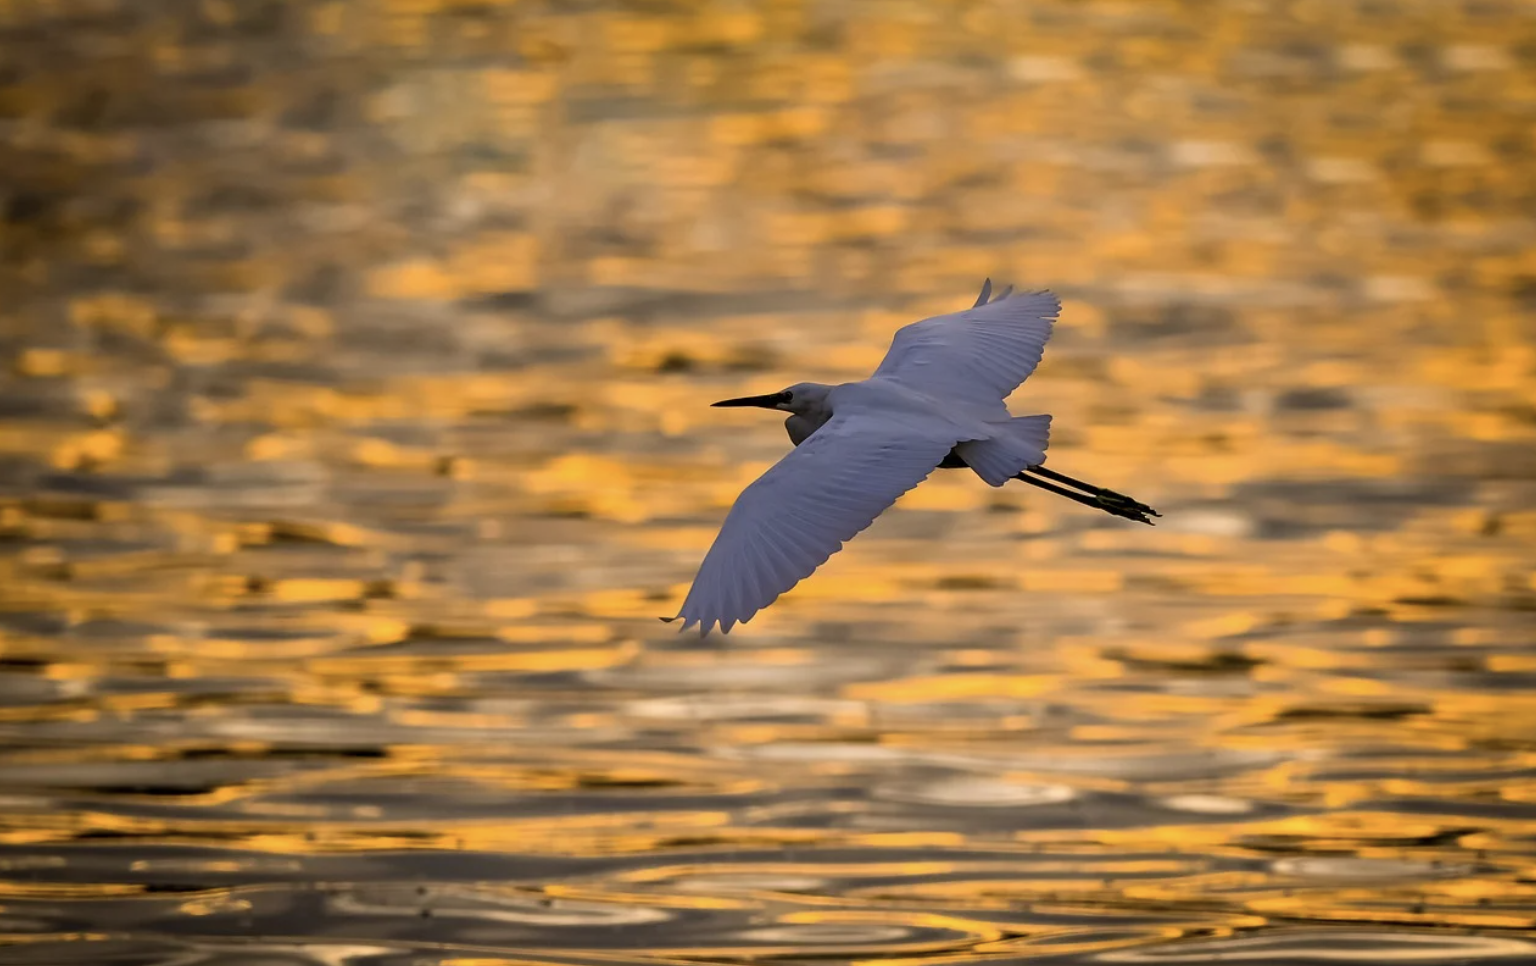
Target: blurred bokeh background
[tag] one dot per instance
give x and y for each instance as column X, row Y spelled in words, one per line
column 354, row 431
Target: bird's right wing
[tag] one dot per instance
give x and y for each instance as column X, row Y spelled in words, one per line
column 808, row 504
column 979, row 355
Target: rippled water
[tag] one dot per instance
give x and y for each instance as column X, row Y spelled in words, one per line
column 355, row 431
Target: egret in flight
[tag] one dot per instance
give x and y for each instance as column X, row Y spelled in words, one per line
column 935, row 401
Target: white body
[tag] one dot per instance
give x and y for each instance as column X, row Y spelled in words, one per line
column 861, row 445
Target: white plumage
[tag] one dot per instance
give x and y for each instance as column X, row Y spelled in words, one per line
column 979, row 355
column 802, row 511
column 935, row 400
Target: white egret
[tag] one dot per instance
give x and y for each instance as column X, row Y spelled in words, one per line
column 936, row 400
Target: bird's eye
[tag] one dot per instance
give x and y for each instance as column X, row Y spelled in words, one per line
column 789, row 396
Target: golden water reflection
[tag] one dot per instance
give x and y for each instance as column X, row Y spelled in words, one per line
column 355, row 431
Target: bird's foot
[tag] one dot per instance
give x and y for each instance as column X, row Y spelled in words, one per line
column 1123, row 506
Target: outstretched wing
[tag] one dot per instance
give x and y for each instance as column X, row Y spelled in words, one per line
column 979, row 355
column 802, row 511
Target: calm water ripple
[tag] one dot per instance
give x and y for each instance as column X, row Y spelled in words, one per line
column 354, row 432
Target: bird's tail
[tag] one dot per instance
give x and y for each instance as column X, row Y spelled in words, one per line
column 1019, row 443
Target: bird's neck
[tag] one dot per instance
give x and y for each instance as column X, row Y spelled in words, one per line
column 801, row 427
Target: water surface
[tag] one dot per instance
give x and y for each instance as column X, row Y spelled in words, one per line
column 355, row 432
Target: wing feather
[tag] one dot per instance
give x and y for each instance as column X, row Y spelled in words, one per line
column 986, row 293
column 979, row 355
column 800, row 512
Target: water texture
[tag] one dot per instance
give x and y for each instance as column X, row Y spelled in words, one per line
column 354, row 431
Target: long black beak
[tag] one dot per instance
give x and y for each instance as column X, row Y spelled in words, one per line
column 770, row 401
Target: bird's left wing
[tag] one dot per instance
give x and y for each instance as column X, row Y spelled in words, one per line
column 808, row 504
column 979, row 355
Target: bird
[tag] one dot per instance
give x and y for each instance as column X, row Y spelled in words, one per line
column 935, row 401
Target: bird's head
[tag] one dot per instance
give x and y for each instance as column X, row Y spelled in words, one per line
column 803, row 398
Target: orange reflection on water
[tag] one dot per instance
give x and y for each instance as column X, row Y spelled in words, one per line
column 357, row 432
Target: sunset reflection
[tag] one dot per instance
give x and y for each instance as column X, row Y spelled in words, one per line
column 356, row 431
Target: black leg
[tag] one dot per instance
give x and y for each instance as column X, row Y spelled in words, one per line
column 1109, row 497
column 1099, row 498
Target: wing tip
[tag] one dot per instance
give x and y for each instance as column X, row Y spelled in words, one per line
column 706, row 627
column 986, row 293
column 1008, row 292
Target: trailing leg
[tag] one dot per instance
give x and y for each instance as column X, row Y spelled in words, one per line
column 1116, row 504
